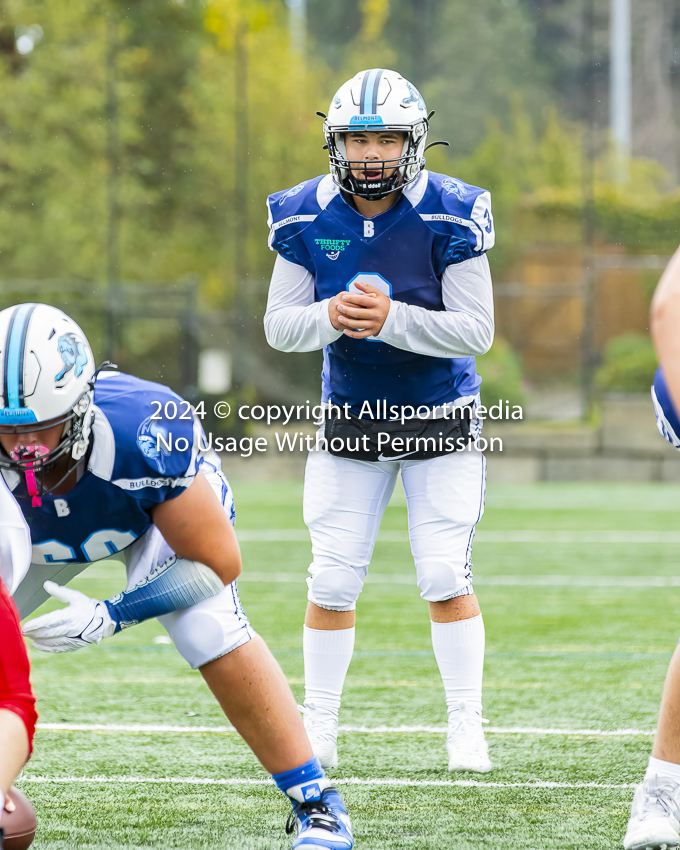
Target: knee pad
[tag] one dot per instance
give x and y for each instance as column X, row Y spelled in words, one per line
column 209, row 629
column 439, row 581
column 335, row 588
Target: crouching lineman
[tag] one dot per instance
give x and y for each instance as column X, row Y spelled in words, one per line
column 382, row 264
column 17, row 703
column 655, row 816
column 81, row 453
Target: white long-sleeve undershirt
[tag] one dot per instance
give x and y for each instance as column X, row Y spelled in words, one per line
column 294, row 321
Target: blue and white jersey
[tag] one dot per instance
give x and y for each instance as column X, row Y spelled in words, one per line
column 666, row 417
column 437, row 221
column 128, row 472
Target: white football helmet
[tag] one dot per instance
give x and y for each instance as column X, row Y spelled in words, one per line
column 47, row 378
column 376, row 100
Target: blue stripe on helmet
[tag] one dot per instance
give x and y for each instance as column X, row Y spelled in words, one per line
column 14, row 379
column 376, row 87
column 369, row 91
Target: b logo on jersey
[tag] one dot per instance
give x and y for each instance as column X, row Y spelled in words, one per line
column 454, row 187
column 149, row 444
column 73, row 353
column 291, row 193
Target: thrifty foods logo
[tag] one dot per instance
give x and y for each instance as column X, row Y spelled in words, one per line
column 333, row 247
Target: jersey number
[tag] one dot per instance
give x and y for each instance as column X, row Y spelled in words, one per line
column 98, row 545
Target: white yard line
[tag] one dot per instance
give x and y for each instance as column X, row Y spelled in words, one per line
column 642, row 581
column 300, row 535
column 353, row 780
column 498, row 581
column 151, row 728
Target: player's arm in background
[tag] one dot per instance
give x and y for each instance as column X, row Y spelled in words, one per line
column 665, row 326
column 17, row 703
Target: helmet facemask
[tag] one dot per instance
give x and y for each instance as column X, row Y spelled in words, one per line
column 34, row 461
column 405, row 169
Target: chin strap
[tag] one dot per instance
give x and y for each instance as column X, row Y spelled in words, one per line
column 30, row 453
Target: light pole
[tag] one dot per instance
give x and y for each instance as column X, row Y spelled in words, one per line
column 620, row 116
column 589, row 354
column 112, row 197
column 297, row 24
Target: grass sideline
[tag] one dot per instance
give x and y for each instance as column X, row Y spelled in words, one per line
column 567, row 657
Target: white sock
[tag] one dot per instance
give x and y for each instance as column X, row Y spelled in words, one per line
column 2, row 804
column 459, row 651
column 666, row 768
column 327, row 654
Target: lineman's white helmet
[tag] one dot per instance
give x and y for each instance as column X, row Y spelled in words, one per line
column 377, row 100
column 46, row 376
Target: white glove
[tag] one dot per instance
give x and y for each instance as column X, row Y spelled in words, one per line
column 83, row 622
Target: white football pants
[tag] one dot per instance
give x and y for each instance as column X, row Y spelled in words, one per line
column 344, row 501
column 205, row 631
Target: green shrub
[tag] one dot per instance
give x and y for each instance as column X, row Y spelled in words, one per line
column 629, row 365
column 501, row 372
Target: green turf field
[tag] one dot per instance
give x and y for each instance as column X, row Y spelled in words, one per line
column 577, row 642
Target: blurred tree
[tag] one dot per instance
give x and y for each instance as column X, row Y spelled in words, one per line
column 629, row 365
column 501, row 371
column 479, row 57
column 560, row 39
column 332, row 26
column 468, row 59
column 215, row 111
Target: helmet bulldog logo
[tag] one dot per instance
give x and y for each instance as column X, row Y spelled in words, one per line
column 414, row 96
column 73, row 353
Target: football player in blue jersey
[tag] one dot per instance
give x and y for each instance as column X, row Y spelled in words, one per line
column 383, row 265
column 102, row 463
column 655, row 815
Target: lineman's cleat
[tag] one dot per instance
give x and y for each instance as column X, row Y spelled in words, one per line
column 321, row 824
column 465, row 741
column 655, row 815
column 321, row 726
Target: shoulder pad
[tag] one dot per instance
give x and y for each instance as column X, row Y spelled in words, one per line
column 156, row 437
column 454, row 208
column 292, row 210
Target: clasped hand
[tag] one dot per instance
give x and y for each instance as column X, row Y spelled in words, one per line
column 359, row 314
